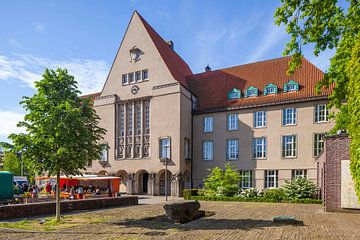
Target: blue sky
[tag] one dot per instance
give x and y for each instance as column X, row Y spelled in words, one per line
column 84, row 35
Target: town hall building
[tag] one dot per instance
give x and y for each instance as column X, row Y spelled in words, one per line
column 159, row 115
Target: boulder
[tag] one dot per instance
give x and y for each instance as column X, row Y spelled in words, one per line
column 183, row 211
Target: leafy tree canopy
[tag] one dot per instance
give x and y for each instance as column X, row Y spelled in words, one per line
column 327, row 25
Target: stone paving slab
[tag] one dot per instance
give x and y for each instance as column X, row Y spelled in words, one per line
column 231, row 220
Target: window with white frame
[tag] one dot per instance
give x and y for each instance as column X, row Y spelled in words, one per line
column 165, row 148
column 145, row 74
column 291, row 87
column 232, row 149
column 259, row 148
column 299, row 173
column 138, row 118
column 208, row 124
column 289, row 146
column 104, row 153
column 147, row 117
column 131, row 77
column 289, row 116
column 321, row 113
column 318, row 143
column 271, row 179
column 124, row 79
column 233, row 122
column 271, row 90
column 208, row 150
column 246, row 179
column 138, row 76
column 259, row 119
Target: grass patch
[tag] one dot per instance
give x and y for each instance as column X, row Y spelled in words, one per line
column 50, row 223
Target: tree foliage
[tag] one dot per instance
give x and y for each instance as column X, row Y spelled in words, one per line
column 327, row 25
column 62, row 128
column 12, row 163
column 299, row 188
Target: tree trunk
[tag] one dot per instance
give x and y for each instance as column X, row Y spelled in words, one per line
column 58, row 196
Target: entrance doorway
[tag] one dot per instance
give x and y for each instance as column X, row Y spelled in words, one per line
column 145, row 178
column 142, row 178
column 161, row 183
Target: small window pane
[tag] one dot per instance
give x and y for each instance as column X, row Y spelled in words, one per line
column 318, row 143
column 145, row 74
column 208, row 150
column 289, row 146
column 131, row 77
column 138, row 76
column 165, row 148
column 321, row 113
column 208, row 124
column 232, row 149
column 233, row 122
column 289, row 116
column 259, row 148
column 259, row 119
column 246, row 179
column 271, row 178
column 124, row 79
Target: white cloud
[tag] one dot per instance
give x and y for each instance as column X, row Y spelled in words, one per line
column 8, row 122
column 13, row 42
column 90, row 74
column 39, row 27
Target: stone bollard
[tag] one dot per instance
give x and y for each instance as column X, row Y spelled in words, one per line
column 183, row 211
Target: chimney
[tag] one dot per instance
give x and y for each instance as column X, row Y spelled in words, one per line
column 207, row 68
column 171, row 44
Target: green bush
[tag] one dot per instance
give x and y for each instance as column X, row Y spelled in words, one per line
column 249, row 192
column 299, row 188
column 188, row 193
column 206, row 192
column 277, row 194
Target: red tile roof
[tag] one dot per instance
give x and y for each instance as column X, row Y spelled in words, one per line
column 211, row 88
column 92, row 95
column 176, row 65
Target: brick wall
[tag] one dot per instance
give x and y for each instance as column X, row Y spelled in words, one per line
column 34, row 209
column 329, row 170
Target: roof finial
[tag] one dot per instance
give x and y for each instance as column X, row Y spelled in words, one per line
column 207, row 68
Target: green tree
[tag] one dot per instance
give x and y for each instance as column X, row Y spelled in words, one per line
column 326, row 25
column 12, row 163
column 62, row 128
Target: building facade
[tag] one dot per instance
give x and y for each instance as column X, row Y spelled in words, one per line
column 158, row 115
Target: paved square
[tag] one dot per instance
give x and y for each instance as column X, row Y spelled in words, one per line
column 231, row 220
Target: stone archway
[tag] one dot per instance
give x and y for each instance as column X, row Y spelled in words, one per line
column 141, row 182
column 103, row 173
column 123, row 180
column 160, row 182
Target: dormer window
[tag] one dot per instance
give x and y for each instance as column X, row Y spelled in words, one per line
column 291, row 86
column 234, row 94
column 251, row 92
column 270, row 89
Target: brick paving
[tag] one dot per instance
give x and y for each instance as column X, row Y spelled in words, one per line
column 229, row 220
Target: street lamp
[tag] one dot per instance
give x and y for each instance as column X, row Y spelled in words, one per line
column 165, row 152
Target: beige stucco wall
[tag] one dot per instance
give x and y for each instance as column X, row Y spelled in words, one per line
column 304, row 129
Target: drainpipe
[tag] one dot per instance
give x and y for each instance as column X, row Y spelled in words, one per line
column 192, row 145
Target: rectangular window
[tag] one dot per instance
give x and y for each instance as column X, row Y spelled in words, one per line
column 232, row 149
column 131, row 77
column 259, row 119
column 289, row 116
column 122, row 121
column 271, row 178
column 124, row 79
column 298, row 173
column 259, row 148
column 138, row 119
column 321, row 113
column 208, row 124
column 165, row 148
column 138, row 76
column 289, row 146
column 104, row 154
column 208, row 150
column 318, row 143
column 187, row 148
column 233, row 122
column 145, row 74
column 270, row 90
column 291, row 87
column 246, row 179
column 147, row 117
column 130, row 119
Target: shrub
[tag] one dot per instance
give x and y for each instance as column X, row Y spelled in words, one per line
column 277, row 194
column 206, row 192
column 299, row 188
column 249, row 192
column 188, row 193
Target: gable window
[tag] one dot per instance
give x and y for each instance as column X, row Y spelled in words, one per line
column 104, row 153
column 165, row 147
column 233, row 123
column 208, row 124
column 208, row 150
column 246, row 179
column 291, row 86
column 270, row 89
column 138, row 76
column 321, row 113
column 259, row 119
column 259, row 148
column 298, row 173
column 124, row 79
column 145, row 74
column 289, row 116
column 232, row 149
column 318, row 143
column 251, row 92
column 271, row 178
column 234, row 94
column 131, row 77
column 289, row 146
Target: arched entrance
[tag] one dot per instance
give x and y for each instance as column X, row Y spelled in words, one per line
column 161, row 182
column 103, row 173
column 142, row 178
column 123, row 180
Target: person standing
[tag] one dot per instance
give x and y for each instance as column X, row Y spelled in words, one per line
column 80, row 192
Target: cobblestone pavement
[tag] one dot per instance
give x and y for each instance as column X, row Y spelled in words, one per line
column 230, row 220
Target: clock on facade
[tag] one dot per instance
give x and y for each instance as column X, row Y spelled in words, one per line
column 135, row 89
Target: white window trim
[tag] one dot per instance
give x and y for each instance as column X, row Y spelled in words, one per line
column 293, row 115
column 317, row 114
column 208, row 156
column 232, row 122
column 208, row 124
column 246, row 174
column 294, row 139
column 263, row 119
column 273, row 177
column 232, row 150
column 263, row 147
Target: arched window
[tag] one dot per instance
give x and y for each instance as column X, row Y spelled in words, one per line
column 291, row 86
column 234, row 94
column 251, row 92
column 270, row 89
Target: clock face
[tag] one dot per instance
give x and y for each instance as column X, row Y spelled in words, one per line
column 135, row 89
